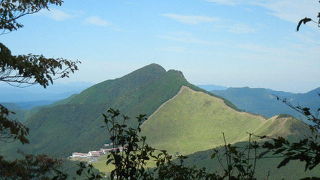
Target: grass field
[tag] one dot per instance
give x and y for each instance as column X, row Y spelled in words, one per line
column 192, row 123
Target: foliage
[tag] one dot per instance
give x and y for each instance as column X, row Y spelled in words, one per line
column 31, row 167
column 132, row 155
column 193, row 121
column 306, row 20
column 189, row 122
column 32, row 69
column 240, row 162
column 306, row 150
column 10, row 129
column 12, row 10
column 311, row 115
column 88, row 172
column 143, row 90
column 26, row 70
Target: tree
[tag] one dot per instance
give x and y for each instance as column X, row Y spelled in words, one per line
column 31, row 167
column 12, row 10
column 25, row 70
column 306, row 150
column 28, row 69
column 22, row 71
column 306, row 20
column 131, row 156
column 31, row 69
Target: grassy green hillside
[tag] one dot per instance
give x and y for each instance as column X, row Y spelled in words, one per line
column 74, row 124
column 261, row 101
column 294, row 170
column 194, row 121
column 281, row 125
column 284, row 126
column 183, row 118
column 191, row 123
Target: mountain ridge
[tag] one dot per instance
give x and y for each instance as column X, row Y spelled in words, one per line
column 73, row 124
column 184, row 118
column 263, row 101
column 201, row 119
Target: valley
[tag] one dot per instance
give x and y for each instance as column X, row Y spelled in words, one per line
column 168, row 90
column 182, row 118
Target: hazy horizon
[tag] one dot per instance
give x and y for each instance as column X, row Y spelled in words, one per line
column 61, row 89
column 222, row 42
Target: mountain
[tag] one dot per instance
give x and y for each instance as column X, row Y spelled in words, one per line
column 19, row 113
column 211, row 87
column 74, row 124
column 280, row 125
column 194, row 121
column 265, row 168
column 262, row 101
column 182, row 117
column 28, row 104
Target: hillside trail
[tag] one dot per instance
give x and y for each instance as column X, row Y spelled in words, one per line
column 261, row 118
column 163, row 104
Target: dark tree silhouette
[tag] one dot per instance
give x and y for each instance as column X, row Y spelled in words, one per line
column 306, row 20
column 24, row 70
column 11, row 130
column 31, row 69
column 306, row 150
column 21, row 71
column 12, row 10
column 131, row 156
column 31, row 167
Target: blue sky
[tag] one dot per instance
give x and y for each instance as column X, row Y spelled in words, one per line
column 226, row 42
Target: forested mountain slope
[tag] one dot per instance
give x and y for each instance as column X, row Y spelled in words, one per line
column 74, row 124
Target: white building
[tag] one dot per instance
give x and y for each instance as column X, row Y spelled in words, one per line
column 79, row 155
column 107, row 145
column 95, row 153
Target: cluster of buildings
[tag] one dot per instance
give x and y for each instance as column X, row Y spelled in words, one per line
column 94, row 154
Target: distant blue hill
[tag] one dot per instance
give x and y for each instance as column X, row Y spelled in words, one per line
column 262, row 101
column 37, row 95
column 31, row 104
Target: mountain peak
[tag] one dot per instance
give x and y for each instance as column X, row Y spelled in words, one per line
column 148, row 70
column 314, row 91
column 153, row 66
column 179, row 73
